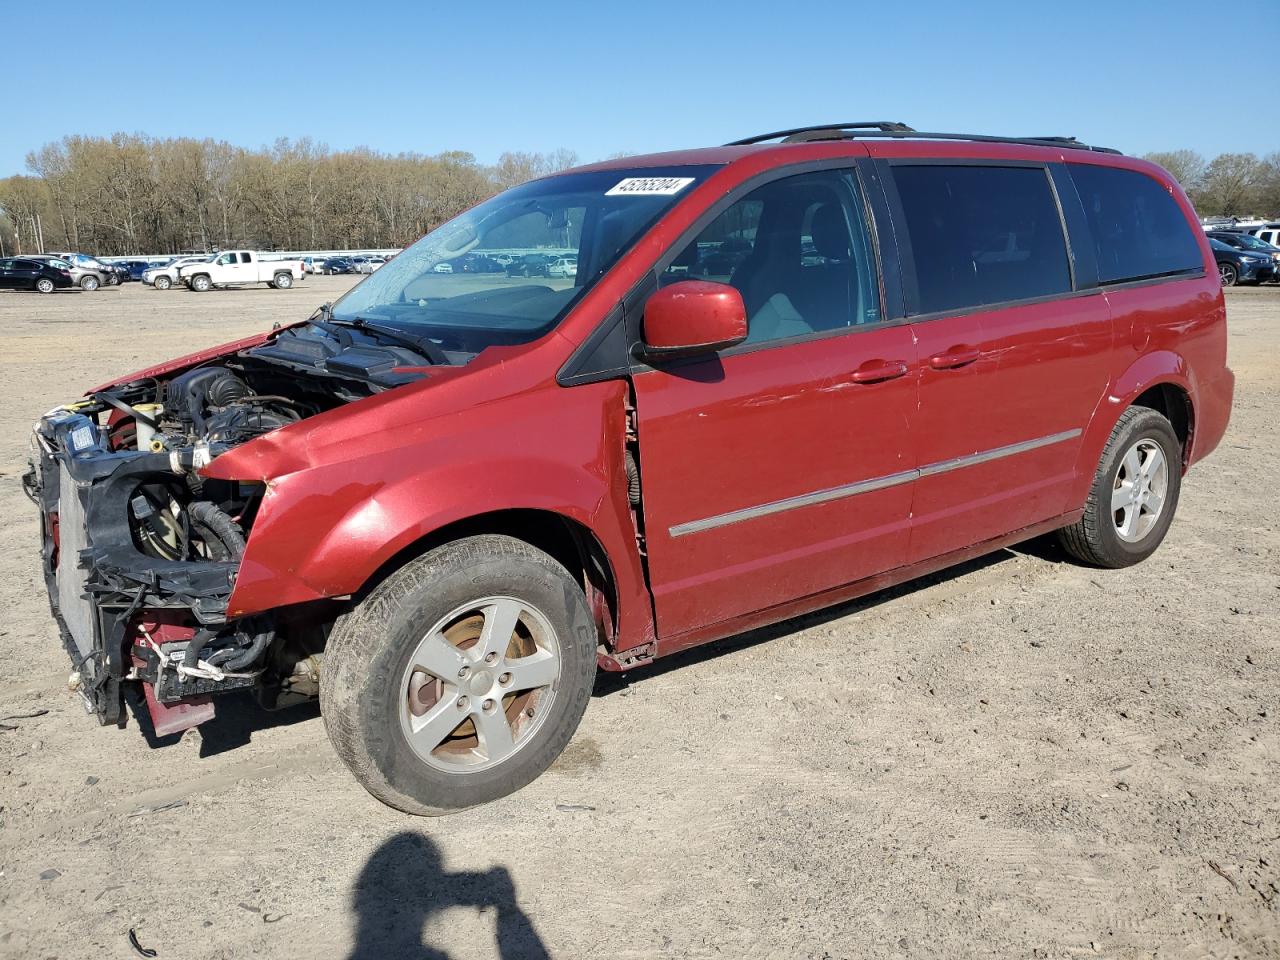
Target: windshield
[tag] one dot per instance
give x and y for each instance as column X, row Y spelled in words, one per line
column 1253, row 243
column 508, row 270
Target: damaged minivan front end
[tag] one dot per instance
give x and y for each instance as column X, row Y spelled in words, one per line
column 141, row 549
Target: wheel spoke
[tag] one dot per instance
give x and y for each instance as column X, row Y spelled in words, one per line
column 1151, row 466
column 538, row 670
column 1125, row 526
column 494, row 731
column 500, row 619
column 1121, row 496
column 440, row 658
column 1132, row 465
column 1155, row 501
column 429, row 730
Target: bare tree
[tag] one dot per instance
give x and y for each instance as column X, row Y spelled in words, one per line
column 1187, row 166
column 130, row 194
column 1228, row 185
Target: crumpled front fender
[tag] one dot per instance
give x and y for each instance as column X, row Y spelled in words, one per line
column 341, row 512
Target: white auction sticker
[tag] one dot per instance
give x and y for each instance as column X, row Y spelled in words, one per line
column 649, row 186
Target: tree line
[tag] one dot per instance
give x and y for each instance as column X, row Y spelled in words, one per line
column 130, row 193
column 137, row 194
column 1229, row 185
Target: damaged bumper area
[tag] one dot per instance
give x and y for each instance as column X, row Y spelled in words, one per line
column 140, row 551
column 139, row 560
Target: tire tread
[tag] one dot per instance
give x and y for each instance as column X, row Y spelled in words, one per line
column 357, row 639
column 1084, row 540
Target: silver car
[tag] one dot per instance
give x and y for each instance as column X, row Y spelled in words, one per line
column 86, row 273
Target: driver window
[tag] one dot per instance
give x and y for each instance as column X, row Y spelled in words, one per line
column 226, row 258
column 798, row 251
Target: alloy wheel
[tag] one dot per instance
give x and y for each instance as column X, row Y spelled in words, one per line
column 1142, row 482
column 479, row 684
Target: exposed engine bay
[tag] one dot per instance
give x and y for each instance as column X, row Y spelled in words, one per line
column 141, row 552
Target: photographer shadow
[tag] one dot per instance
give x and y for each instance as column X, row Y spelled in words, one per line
column 403, row 885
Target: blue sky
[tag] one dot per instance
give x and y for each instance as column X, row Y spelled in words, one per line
column 490, row 76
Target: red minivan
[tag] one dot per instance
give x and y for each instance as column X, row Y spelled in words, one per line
column 786, row 372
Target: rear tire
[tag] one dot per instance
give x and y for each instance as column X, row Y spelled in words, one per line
column 283, row 281
column 1134, row 493
column 44, row 285
column 413, row 660
column 89, row 284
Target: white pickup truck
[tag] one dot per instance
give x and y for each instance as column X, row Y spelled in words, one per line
column 235, row 268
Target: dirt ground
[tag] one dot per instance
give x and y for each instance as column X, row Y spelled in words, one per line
column 1020, row 758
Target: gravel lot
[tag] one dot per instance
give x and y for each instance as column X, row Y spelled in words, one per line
column 1019, row 758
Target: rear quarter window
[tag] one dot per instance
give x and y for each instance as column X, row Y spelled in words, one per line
column 981, row 235
column 1139, row 231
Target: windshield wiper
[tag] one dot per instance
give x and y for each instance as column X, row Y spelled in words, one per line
column 421, row 345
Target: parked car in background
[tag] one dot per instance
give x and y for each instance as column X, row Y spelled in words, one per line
column 336, row 265
column 162, row 278
column 43, row 276
column 1269, row 233
column 239, row 268
column 142, row 266
column 530, row 265
column 87, row 273
column 135, row 268
column 1241, row 266
column 1248, row 243
column 313, row 265
column 479, row 263
column 106, row 272
column 563, row 267
column 369, row 264
column 444, row 267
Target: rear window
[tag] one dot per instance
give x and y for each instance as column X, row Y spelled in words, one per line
column 982, row 235
column 1138, row 229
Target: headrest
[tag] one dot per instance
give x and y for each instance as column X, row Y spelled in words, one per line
column 830, row 232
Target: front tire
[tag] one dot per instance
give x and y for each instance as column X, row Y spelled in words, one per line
column 88, row 284
column 201, row 284
column 163, row 283
column 1228, row 274
column 461, row 677
column 1134, row 493
column 44, row 285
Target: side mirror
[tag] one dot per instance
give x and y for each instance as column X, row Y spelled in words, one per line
column 692, row 317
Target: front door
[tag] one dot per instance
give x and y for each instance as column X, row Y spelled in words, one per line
column 782, row 467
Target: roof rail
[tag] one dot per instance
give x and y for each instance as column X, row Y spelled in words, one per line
column 900, row 131
column 832, row 131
